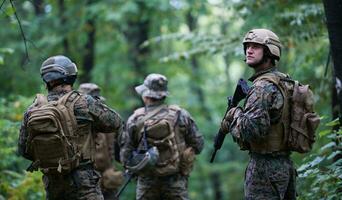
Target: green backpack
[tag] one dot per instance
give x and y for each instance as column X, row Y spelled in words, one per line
column 52, row 134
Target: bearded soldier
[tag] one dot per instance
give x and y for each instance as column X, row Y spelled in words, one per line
column 259, row 126
column 105, row 145
column 58, row 133
column 160, row 143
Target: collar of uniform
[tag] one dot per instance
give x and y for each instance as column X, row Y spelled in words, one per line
column 55, row 94
column 153, row 106
column 256, row 75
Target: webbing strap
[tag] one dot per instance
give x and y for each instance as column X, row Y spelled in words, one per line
column 142, row 120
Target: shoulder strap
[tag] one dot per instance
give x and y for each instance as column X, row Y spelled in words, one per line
column 142, row 120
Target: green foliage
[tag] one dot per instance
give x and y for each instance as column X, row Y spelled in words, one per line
column 174, row 43
column 320, row 174
column 14, row 184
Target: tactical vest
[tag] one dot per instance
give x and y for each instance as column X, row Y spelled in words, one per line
column 55, row 141
column 295, row 130
column 275, row 140
column 162, row 132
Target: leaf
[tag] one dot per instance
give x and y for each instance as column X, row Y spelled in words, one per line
column 1, row 60
column 324, row 133
column 316, row 161
column 331, row 156
column 329, row 145
column 6, row 50
column 333, row 123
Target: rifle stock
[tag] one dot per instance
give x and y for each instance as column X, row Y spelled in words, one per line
column 240, row 93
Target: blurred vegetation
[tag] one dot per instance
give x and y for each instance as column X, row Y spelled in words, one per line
column 196, row 44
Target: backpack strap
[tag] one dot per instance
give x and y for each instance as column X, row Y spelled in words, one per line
column 142, row 120
column 69, row 100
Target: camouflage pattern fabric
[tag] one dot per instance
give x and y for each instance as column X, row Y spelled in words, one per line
column 87, row 110
column 81, row 184
column 163, row 187
column 262, row 108
column 270, row 178
column 174, row 187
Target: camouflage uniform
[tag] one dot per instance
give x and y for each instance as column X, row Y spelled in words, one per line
column 105, row 145
column 151, row 186
column 269, row 175
column 83, row 181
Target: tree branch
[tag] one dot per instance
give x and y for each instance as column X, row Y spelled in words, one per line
column 21, row 31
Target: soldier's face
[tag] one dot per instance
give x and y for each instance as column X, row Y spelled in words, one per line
column 254, row 53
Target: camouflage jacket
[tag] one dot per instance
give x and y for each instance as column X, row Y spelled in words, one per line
column 263, row 107
column 86, row 110
column 192, row 136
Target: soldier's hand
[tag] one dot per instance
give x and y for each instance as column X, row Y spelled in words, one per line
column 228, row 119
column 225, row 126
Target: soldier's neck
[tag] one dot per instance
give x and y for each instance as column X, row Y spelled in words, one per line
column 61, row 88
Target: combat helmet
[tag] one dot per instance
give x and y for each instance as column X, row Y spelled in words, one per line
column 58, row 68
column 264, row 37
column 89, row 88
column 142, row 161
column 154, row 86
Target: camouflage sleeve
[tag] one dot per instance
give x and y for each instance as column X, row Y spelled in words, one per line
column 23, row 134
column 263, row 105
column 192, row 135
column 127, row 144
column 105, row 119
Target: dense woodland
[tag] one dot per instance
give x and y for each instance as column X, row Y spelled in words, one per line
column 197, row 44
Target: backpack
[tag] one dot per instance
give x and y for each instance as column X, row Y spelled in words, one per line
column 52, row 135
column 300, row 120
column 162, row 132
column 104, row 154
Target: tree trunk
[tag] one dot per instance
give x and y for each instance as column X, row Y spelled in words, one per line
column 196, row 78
column 38, row 7
column 89, row 54
column 334, row 23
column 63, row 19
column 89, row 47
column 136, row 33
column 333, row 15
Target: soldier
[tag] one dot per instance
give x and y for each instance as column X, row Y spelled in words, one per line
column 58, row 132
column 259, row 126
column 106, row 149
column 160, row 143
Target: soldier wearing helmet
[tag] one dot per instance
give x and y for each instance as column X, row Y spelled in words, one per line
column 106, row 146
column 88, row 116
column 259, row 126
column 160, row 143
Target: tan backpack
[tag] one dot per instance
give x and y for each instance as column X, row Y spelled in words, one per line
column 104, row 150
column 162, row 132
column 52, row 135
column 298, row 116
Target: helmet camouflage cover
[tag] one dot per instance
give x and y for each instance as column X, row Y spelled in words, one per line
column 154, row 86
column 89, row 88
column 264, row 37
column 57, row 67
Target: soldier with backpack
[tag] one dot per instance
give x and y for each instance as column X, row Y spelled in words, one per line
column 277, row 118
column 58, row 133
column 106, row 146
column 160, row 143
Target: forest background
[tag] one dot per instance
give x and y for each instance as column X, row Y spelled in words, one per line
column 197, row 45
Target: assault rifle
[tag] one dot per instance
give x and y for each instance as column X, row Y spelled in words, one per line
column 240, row 93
